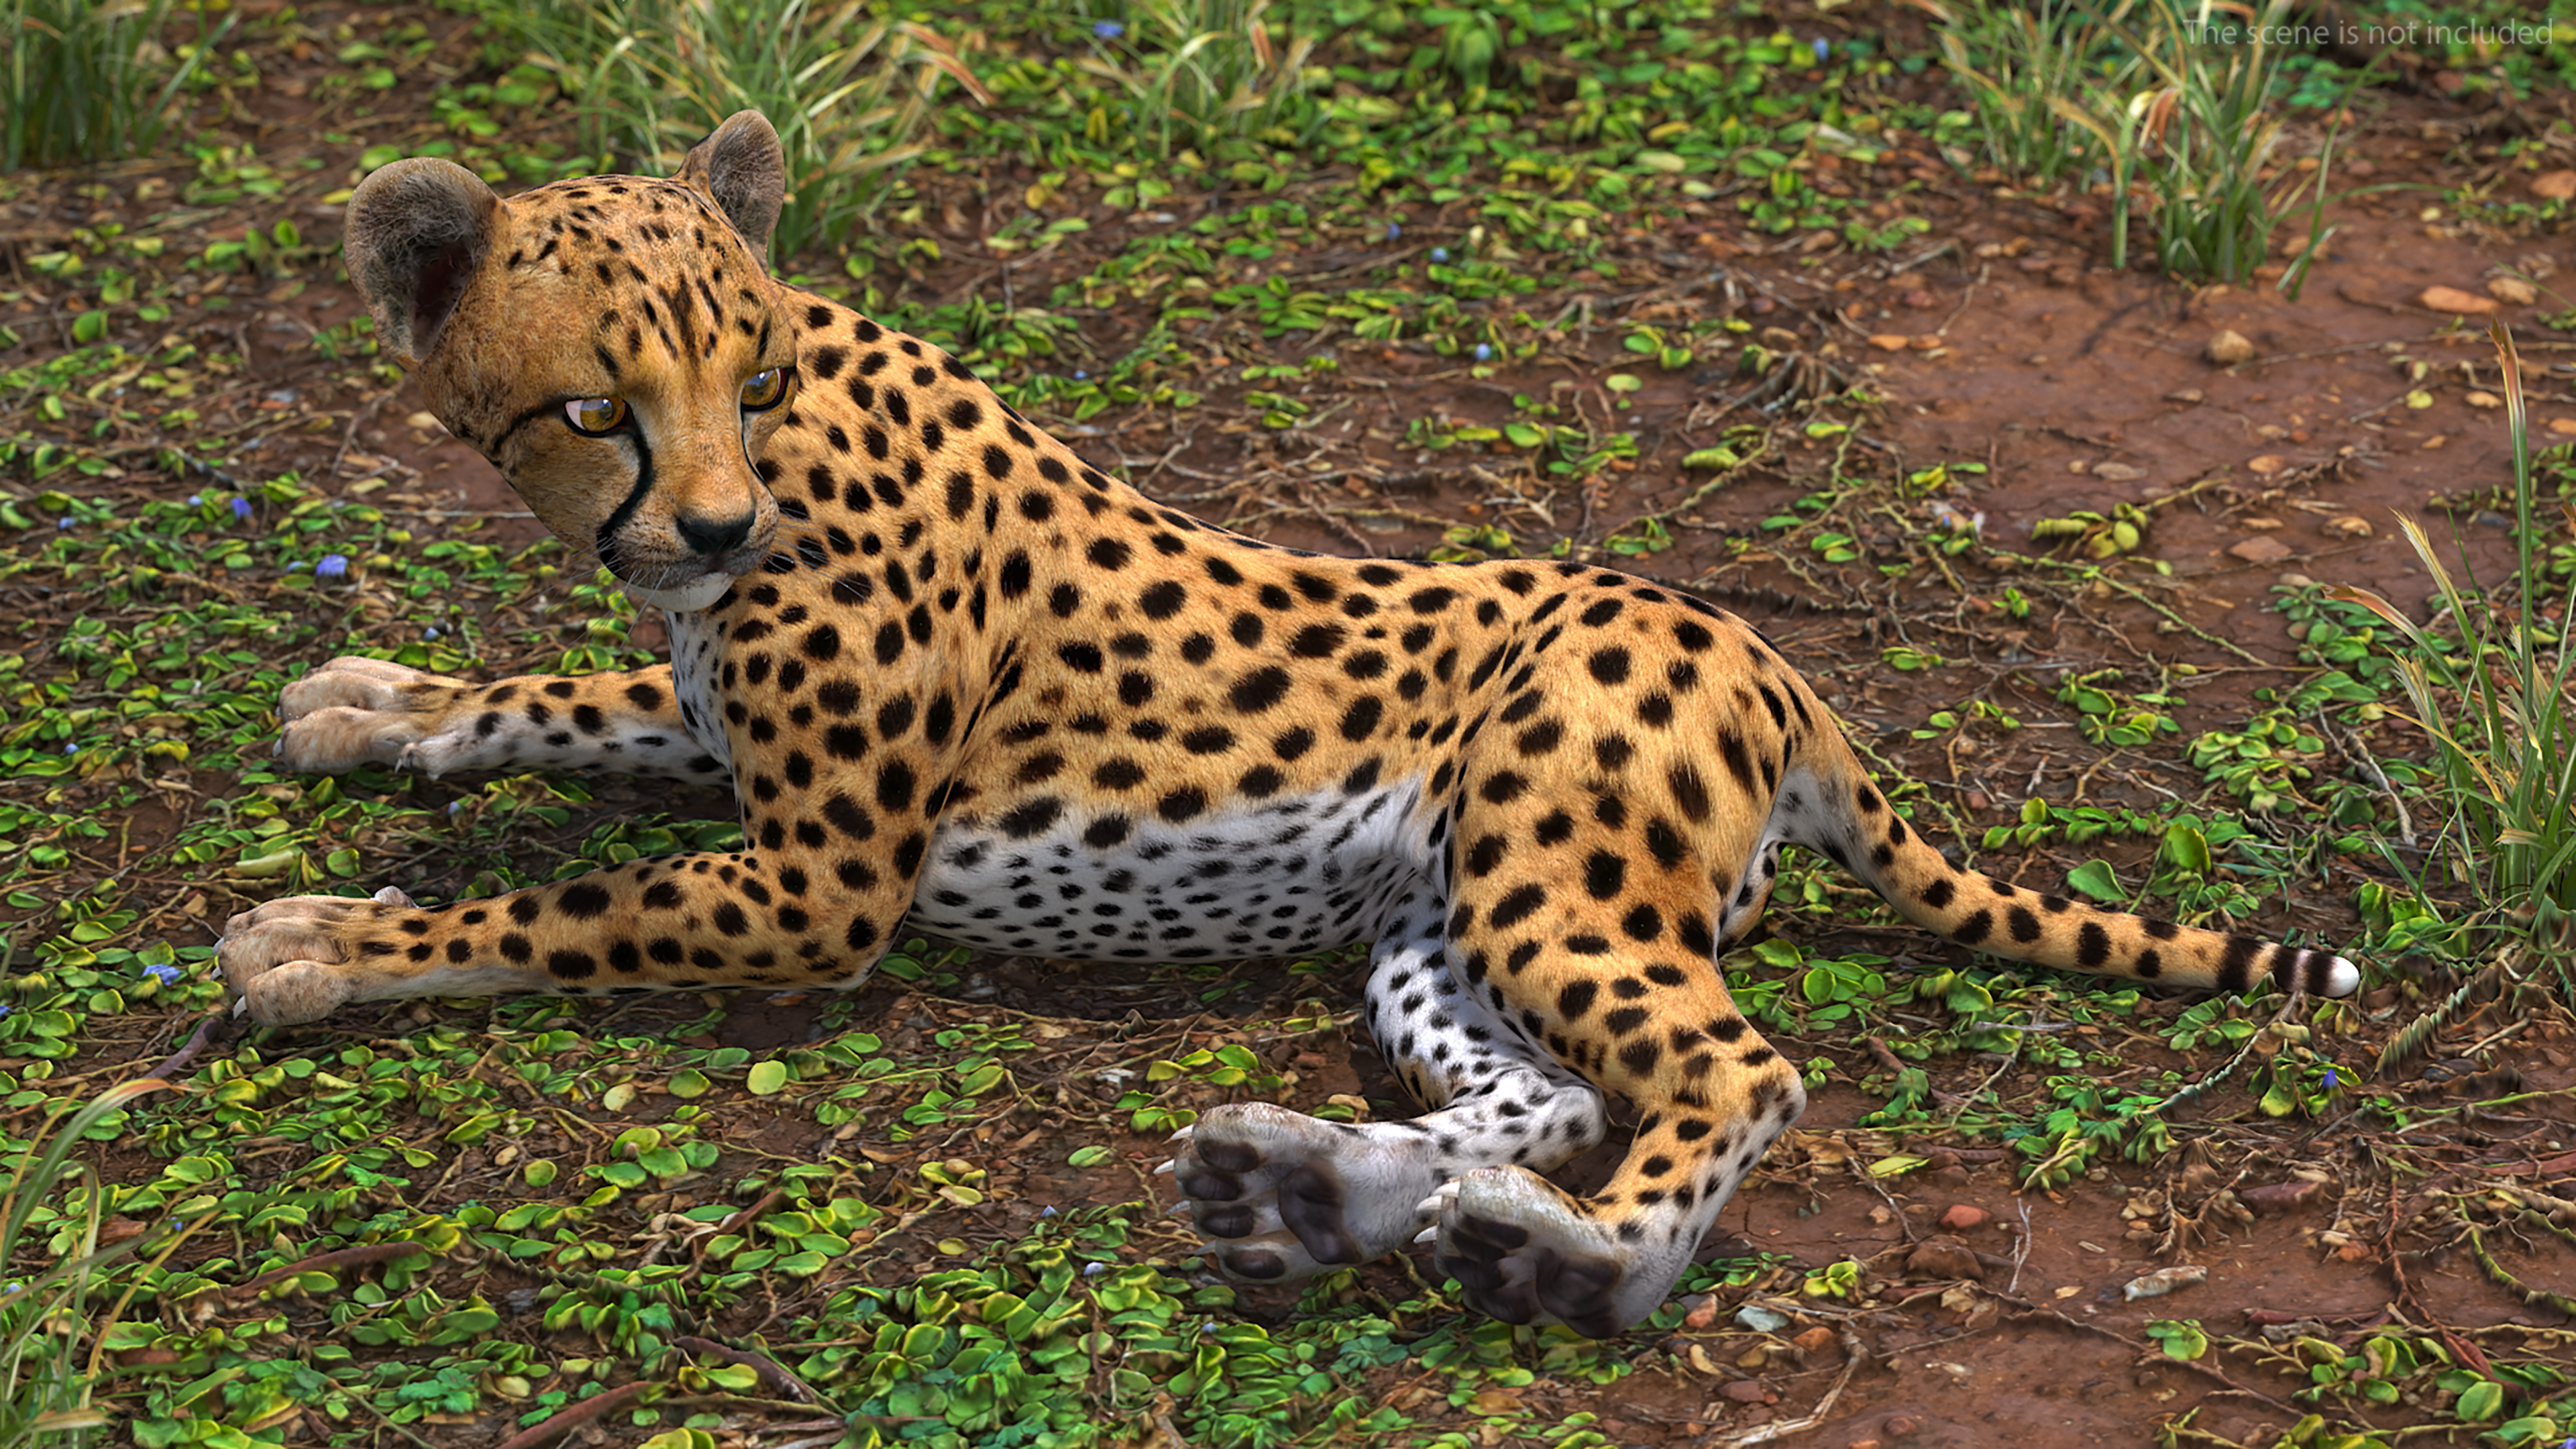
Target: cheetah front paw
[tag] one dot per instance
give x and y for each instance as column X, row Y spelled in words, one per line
column 287, row 961
column 355, row 711
column 1279, row 1194
column 1526, row 1253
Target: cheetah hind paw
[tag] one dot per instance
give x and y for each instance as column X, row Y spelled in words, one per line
column 1527, row 1254
column 1280, row 1195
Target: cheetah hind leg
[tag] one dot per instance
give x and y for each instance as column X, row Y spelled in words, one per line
column 1280, row 1195
column 1527, row 1253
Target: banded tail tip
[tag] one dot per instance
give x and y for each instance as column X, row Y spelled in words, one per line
column 2339, row 978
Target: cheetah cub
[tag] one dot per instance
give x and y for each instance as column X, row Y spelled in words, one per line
column 964, row 683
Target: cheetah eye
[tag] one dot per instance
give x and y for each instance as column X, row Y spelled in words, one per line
column 762, row 390
column 595, row 415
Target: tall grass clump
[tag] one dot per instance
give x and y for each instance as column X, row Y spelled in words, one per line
column 86, row 80
column 2173, row 103
column 1200, row 73
column 49, row 1260
column 2499, row 718
column 848, row 94
column 2018, row 63
column 2203, row 140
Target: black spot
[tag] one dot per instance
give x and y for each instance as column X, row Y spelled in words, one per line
column 1162, row 600
column 1575, row 1000
column 2092, row 945
column 1316, row 641
column 1690, row 792
column 1258, row 690
column 1033, row 818
column 1517, row 906
column 1605, row 875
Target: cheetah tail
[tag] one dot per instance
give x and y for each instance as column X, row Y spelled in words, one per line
column 2004, row 920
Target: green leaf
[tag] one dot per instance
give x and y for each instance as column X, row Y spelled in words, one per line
column 2185, row 848
column 2480, row 1402
column 2181, row 1339
column 89, row 327
column 2095, row 879
column 766, row 1078
column 1091, row 1156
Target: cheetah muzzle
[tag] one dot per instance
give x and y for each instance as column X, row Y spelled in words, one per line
column 956, row 675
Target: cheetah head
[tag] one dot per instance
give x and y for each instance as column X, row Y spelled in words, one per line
column 613, row 344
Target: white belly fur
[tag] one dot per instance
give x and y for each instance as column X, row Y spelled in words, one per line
column 1286, row 877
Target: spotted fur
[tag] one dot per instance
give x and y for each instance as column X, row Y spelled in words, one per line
column 959, row 676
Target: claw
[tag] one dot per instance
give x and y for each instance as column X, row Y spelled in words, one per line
column 1166, row 1169
column 1183, row 1135
column 1429, row 1234
column 241, row 1005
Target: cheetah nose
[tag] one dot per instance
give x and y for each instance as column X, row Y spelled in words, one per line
column 712, row 536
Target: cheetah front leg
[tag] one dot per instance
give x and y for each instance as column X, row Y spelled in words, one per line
column 355, row 711
column 815, row 910
column 1279, row 1194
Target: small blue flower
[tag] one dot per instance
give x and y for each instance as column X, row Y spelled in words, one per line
column 62, row 525
column 1079, row 375
column 1824, row 50
column 6, row 1008
column 241, row 508
column 1094, row 1269
column 1048, row 1211
column 163, row 972
column 296, row 566
column 71, row 749
column 196, row 500
column 332, row 566
column 1484, row 351
column 2330, row 1079
column 1394, row 229
column 1108, row 29
column 429, row 633
column 1439, row 254
column 455, row 805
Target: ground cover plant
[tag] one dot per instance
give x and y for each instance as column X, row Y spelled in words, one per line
column 1734, row 296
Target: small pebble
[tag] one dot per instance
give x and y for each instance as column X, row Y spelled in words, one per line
column 2228, row 349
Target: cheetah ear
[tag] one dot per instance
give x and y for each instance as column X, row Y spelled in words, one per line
column 418, row 231
column 743, row 170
